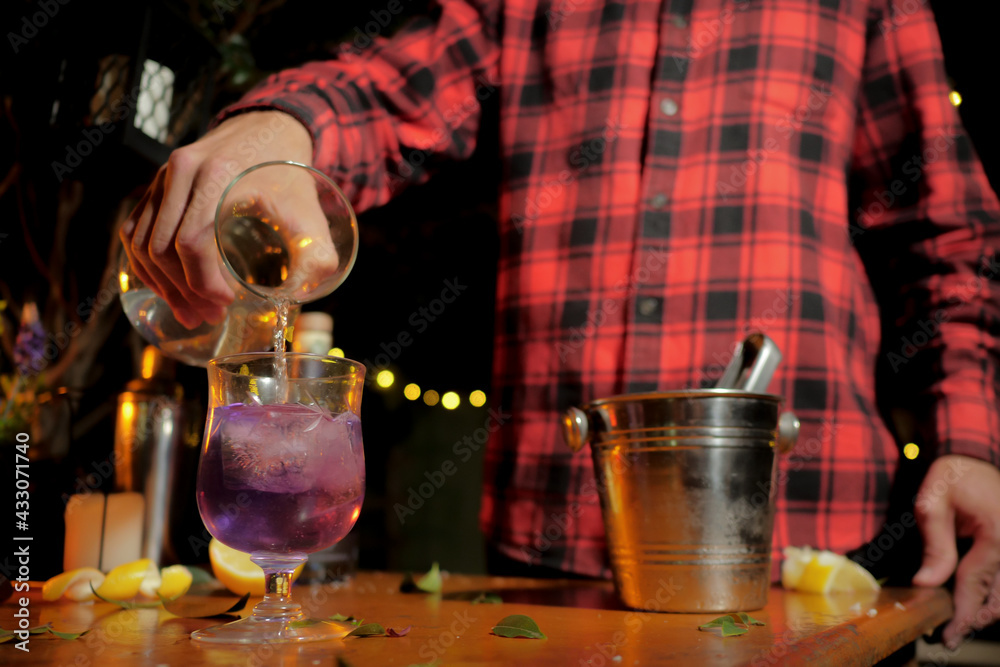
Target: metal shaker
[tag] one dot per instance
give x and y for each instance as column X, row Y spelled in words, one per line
column 147, row 453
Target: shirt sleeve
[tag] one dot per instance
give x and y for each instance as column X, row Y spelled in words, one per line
column 926, row 223
column 383, row 111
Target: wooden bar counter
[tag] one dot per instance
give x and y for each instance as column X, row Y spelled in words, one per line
column 583, row 621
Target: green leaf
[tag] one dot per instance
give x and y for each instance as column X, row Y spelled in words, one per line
column 487, row 598
column 347, row 619
column 428, row 583
column 726, row 624
column 748, row 620
column 369, row 630
column 431, row 582
column 730, row 629
column 7, row 635
column 518, row 625
column 205, row 606
column 304, row 623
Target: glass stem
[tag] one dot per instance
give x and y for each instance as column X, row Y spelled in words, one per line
column 277, row 604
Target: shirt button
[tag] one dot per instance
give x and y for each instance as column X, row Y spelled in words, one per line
column 668, row 106
column 647, row 306
column 658, row 201
column 680, row 21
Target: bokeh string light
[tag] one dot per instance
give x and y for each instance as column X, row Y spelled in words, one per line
column 385, row 379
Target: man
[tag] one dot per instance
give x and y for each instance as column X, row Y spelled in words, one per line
column 676, row 173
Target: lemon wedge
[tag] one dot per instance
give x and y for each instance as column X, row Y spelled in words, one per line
column 823, row 572
column 236, row 571
column 126, row 581
column 174, row 581
column 74, row 584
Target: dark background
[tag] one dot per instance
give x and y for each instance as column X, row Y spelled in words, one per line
column 57, row 235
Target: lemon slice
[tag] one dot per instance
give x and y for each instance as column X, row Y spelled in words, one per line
column 174, row 581
column 74, row 584
column 824, row 572
column 236, row 571
column 125, row 581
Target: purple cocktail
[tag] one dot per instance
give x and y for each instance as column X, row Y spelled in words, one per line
column 281, row 478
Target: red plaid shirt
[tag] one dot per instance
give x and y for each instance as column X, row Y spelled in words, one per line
column 675, row 173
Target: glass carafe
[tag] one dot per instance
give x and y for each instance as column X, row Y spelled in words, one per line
column 267, row 258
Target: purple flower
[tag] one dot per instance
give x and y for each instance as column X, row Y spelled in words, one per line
column 29, row 348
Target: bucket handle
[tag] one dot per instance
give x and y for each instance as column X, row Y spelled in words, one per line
column 575, row 429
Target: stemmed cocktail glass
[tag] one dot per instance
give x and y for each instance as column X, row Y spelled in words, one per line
column 281, row 475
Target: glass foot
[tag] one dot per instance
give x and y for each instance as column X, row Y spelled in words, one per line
column 253, row 630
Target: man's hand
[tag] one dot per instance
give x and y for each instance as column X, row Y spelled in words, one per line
column 170, row 236
column 960, row 496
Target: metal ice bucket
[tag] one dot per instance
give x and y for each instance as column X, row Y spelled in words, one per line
column 685, row 480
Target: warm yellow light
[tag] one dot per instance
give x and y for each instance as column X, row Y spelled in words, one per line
column 385, row 378
column 450, row 400
column 355, row 513
column 149, row 365
column 477, row 398
column 910, row 450
column 128, row 410
column 335, row 352
column 431, row 397
column 123, row 281
column 304, row 242
column 955, row 98
column 412, row 391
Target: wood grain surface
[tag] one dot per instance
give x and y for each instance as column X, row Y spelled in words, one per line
column 583, row 621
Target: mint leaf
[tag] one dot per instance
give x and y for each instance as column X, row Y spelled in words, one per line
column 428, row 583
column 431, row 582
column 728, row 624
column 369, row 630
column 748, row 620
column 518, row 625
column 487, row 598
column 7, row 635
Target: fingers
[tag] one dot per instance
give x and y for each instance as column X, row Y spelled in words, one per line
column 936, row 518
column 977, row 596
column 315, row 257
column 183, row 237
column 146, row 255
column 127, row 234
